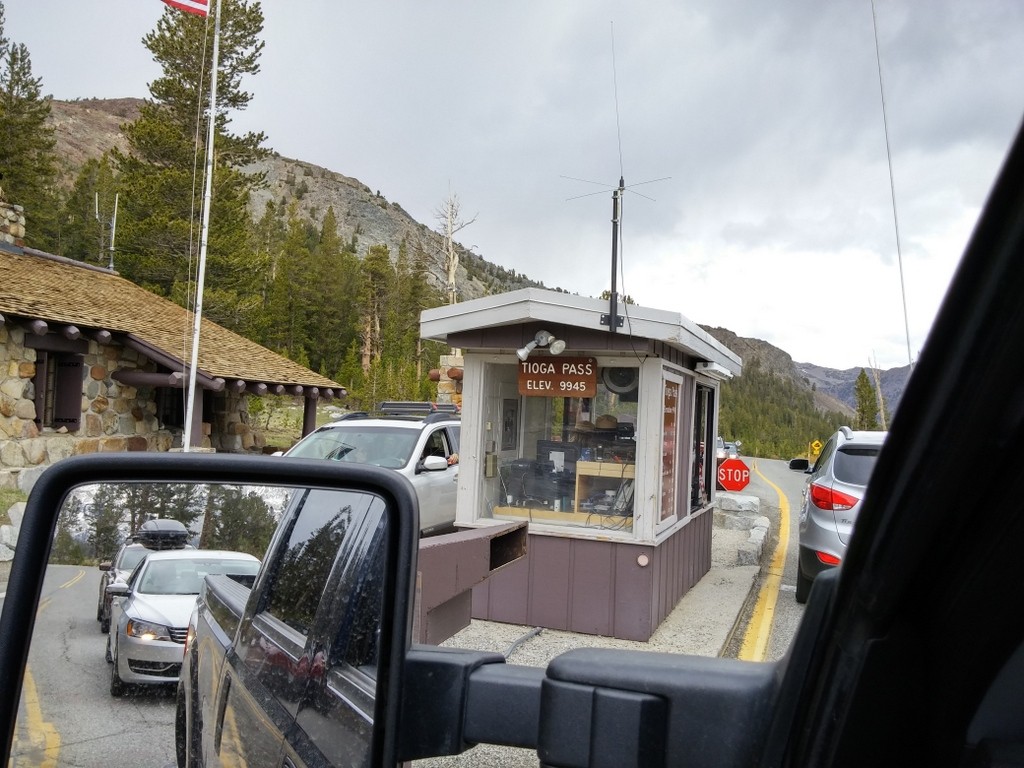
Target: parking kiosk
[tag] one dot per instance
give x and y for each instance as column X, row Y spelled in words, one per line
column 603, row 441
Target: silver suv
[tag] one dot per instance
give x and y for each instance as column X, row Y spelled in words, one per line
column 832, row 499
column 418, row 440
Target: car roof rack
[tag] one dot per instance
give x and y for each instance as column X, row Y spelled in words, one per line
column 351, row 415
column 417, row 408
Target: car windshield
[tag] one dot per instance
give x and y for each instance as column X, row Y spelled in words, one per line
column 383, row 446
column 854, row 464
column 185, row 577
column 130, row 557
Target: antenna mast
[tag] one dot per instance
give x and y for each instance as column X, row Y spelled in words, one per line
column 612, row 319
column 113, row 232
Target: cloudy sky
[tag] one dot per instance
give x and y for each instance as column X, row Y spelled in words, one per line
column 758, row 125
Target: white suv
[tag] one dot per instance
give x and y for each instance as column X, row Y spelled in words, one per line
column 418, row 440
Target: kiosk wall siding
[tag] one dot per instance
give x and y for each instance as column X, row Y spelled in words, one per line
column 597, row 587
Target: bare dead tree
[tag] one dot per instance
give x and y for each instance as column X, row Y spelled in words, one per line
column 873, row 367
column 449, row 217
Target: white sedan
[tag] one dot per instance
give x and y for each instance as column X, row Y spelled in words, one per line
column 149, row 614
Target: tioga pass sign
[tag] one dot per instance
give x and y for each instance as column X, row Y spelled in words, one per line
column 558, row 376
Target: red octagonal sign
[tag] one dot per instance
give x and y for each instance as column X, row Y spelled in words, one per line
column 733, row 475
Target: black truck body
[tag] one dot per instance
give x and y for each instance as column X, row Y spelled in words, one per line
column 285, row 663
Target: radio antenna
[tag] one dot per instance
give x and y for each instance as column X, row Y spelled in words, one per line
column 612, row 319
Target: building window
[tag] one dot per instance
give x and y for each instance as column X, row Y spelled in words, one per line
column 568, row 461
column 703, row 475
column 170, row 407
column 58, row 390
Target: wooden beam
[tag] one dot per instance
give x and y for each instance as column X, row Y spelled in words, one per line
column 71, row 332
column 308, row 415
column 133, row 377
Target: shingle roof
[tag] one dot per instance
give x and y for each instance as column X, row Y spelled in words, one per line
column 37, row 285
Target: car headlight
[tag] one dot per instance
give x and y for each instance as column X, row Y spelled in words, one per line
column 147, row 630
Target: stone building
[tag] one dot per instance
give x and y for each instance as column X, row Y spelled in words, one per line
column 91, row 362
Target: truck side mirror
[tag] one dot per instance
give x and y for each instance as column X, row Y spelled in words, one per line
column 374, row 506
column 799, row 465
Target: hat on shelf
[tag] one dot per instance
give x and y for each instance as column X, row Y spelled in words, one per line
column 607, row 421
column 584, row 426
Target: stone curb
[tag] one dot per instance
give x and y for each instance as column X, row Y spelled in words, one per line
column 738, row 511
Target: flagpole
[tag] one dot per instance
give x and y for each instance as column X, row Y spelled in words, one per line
column 197, row 314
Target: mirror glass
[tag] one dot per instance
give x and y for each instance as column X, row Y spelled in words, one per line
column 101, row 687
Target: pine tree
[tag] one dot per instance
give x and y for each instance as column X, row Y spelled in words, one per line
column 103, row 522
column 867, row 402
column 238, row 519
column 87, row 213
column 161, row 201
column 27, row 160
column 376, row 292
column 334, row 317
column 65, row 549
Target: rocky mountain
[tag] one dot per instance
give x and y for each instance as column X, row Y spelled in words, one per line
column 88, row 127
column 839, row 384
column 779, row 363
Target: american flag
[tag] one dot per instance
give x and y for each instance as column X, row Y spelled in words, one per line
column 198, row 7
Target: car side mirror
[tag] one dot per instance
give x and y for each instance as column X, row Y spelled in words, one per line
column 106, row 565
column 345, row 494
column 117, row 589
column 434, row 463
column 799, row 465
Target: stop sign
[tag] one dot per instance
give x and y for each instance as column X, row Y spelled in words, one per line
column 733, row 475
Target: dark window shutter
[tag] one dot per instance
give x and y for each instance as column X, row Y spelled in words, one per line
column 67, row 399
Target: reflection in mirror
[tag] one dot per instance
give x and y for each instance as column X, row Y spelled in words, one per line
column 300, row 612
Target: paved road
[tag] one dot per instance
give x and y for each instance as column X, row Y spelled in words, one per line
column 773, row 599
column 67, row 715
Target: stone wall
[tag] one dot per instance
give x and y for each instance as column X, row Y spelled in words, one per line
column 449, row 379
column 115, row 417
column 12, row 224
column 231, row 431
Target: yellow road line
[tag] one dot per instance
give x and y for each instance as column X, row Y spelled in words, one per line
column 43, row 739
column 38, row 727
column 755, row 641
column 73, row 580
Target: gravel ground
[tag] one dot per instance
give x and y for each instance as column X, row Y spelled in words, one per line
column 701, row 625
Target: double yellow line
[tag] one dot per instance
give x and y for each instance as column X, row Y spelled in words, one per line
column 759, row 630
column 43, row 747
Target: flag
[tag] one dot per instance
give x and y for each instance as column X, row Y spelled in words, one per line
column 198, row 7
